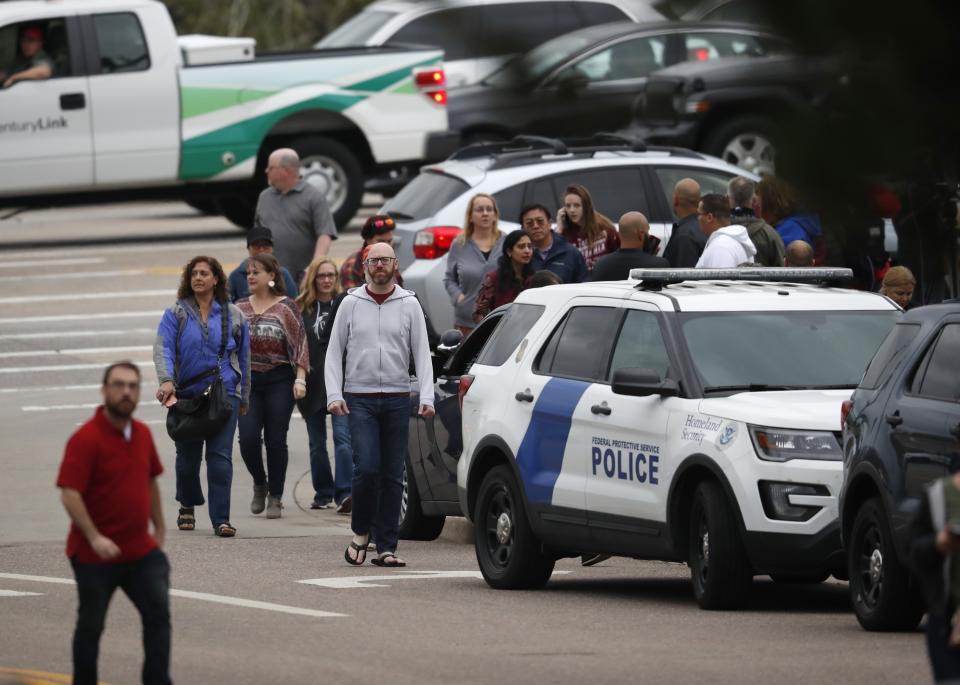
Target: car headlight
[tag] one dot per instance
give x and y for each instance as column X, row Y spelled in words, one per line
column 778, row 444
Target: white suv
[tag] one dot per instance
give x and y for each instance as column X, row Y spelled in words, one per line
column 621, row 174
column 668, row 417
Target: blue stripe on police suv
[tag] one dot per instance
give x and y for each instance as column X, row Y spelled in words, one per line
column 540, row 456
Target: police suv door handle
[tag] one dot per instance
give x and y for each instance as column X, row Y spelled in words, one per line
column 73, row 101
column 894, row 419
column 601, row 408
column 524, row 396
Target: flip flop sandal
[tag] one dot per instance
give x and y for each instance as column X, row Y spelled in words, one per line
column 388, row 560
column 224, row 530
column 185, row 520
column 361, row 551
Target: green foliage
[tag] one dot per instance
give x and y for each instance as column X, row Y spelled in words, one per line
column 276, row 24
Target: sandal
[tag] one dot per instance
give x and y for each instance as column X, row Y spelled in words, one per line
column 361, row 552
column 388, row 560
column 224, row 530
column 185, row 520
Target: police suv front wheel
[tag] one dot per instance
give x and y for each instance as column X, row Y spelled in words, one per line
column 508, row 552
column 719, row 566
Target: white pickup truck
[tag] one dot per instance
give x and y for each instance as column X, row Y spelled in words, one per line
column 132, row 111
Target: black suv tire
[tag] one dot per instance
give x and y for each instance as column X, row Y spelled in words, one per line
column 414, row 524
column 883, row 595
column 508, row 552
column 719, row 566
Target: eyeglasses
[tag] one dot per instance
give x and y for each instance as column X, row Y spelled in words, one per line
column 535, row 222
column 323, row 275
column 120, row 385
column 371, row 261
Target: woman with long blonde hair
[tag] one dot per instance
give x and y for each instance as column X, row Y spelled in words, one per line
column 319, row 295
column 471, row 256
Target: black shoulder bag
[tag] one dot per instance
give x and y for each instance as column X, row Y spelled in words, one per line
column 203, row 416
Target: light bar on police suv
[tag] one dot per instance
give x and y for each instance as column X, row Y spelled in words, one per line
column 657, row 278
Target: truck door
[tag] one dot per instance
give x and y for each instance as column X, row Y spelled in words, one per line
column 135, row 96
column 45, row 125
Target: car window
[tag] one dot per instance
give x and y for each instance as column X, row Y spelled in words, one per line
column 710, row 181
column 600, row 13
column 510, row 202
column 121, row 43
column 889, row 353
column 521, row 26
column 737, row 10
column 54, row 47
column 453, row 30
column 640, row 345
column 514, row 327
column 424, row 196
column 628, row 59
column 702, row 47
column 580, row 346
column 470, row 348
column 615, row 191
column 357, row 30
column 940, row 378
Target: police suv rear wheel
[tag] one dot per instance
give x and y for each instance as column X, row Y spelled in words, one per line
column 719, row 567
column 508, row 552
column 884, row 597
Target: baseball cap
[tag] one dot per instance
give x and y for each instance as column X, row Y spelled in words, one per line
column 258, row 233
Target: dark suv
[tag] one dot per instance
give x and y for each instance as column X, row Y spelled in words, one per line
column 901, row 429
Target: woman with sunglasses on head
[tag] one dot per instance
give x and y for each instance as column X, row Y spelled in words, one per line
column 318, row 301
column 509, row 279
column 279, row 360
column 584, row 227
column 471, row 255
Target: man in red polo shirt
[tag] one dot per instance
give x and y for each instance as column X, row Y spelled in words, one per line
column 109, row 489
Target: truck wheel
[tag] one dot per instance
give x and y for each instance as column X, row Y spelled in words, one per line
column 718, row 563
column 881, row 590
column 508, row 552
column 747, row 142
column 414, row 524
column 335, row 171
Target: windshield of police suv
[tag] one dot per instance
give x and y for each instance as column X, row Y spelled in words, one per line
column 794, row 350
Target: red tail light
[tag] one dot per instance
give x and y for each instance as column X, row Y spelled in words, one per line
column 844, row 411
column 465, row 382
column 701, row 54
column 434, row 242
column 430, row 81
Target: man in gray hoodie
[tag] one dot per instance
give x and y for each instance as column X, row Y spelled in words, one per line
column 728, row 246
column 378, row 329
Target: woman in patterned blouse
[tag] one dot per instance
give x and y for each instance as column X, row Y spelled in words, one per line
column 584, row 227
column 279, row 361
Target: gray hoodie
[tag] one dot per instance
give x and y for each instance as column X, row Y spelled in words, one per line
column 371, row 346
column 727, row 247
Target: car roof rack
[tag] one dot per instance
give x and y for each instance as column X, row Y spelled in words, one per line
column 656, row 279
column 525, row 144
column 521, row 149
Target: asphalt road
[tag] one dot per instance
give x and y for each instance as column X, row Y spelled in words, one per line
column 82, row 287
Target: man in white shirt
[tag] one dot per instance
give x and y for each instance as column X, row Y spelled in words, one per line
column 728, row 245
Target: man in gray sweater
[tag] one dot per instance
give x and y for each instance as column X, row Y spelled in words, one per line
column 377, row 329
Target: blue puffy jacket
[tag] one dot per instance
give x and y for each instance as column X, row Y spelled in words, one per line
column 186, row 347
column 805, row 227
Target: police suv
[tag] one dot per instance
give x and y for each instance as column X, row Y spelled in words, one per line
column 683, row 415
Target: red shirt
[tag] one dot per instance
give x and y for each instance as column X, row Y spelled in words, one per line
column 113, row 476
column 380, row 298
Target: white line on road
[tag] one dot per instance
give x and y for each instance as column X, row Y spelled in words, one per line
column 19, row 320
column 50, row 388
column 13, row 264
column 201, row 596
column 353, row 582
column 72, row 297
column 76, row 350
column 75, row 334
column 74, row 275
column 197, row 247
column 62, row 407
column 14, row 593
column 70, row 367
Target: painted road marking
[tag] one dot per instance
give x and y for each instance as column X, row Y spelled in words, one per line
column 74, row 275
column 200, row 596
column 76, row 334
column 19, row 320
column 15, row 593
column 84, row 405
column 353, row 582
column 70, row 367
column 75, row 350
column 73, row 297
column 14, row 264
column 36, row 677
column 11, row 257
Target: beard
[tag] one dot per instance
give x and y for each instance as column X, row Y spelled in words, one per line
column 122, row 408
column 383, row 276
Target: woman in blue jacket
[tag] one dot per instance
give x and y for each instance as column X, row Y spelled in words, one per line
column 188, row 342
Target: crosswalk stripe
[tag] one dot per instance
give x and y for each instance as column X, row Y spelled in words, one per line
column 67, row 367
column 72, row 297
column 75, row 350
column 24, row 264
column 75, row 334
column 21, row 320
column 73, row 275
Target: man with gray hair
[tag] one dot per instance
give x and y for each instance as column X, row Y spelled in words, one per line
column 799, row 253
column 743, row 208
column 296, row 212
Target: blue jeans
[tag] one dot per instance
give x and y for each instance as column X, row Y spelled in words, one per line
column 326, row 485
column 378, row 429
column 219, row 470
column 147, row 583
column 271, row 404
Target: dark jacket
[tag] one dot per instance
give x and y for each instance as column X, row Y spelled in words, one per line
column 238, row 288
column 769, row 244
column 316, row 322
column 928, row 564
column 563, row 259
column 686, row 243
column 616, row 266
